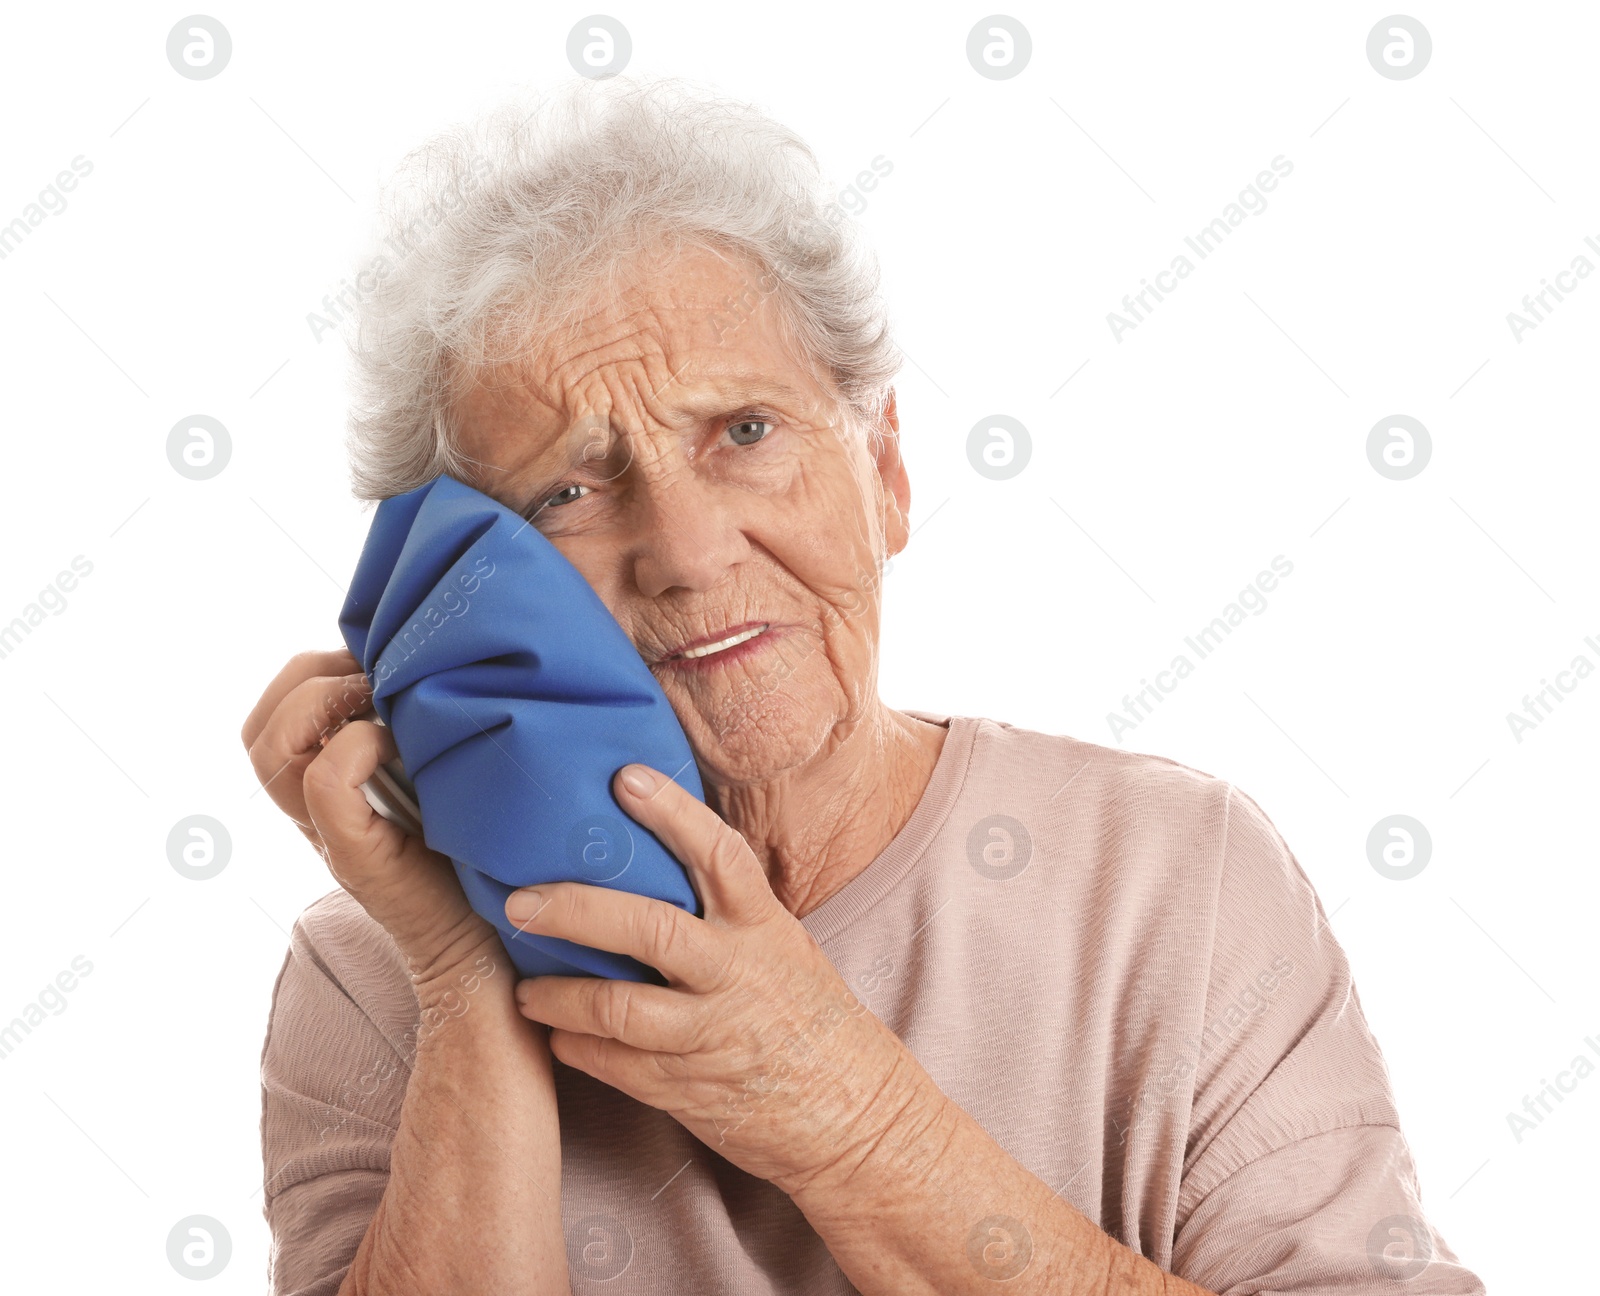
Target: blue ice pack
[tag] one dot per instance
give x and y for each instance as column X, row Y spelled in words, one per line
column 514, row 696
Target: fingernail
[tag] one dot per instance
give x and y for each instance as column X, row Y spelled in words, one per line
column 639, row 779
column 521, row 906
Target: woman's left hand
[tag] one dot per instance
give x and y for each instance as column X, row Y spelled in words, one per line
column 756, row 1045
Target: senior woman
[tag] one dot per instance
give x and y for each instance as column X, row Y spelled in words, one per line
column 968, row 1004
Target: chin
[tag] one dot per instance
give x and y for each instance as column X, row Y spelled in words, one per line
column 739, row 738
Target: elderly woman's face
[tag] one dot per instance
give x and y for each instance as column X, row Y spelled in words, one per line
column 679, row 455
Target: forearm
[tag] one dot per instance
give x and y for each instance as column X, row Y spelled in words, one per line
column 473, row 1200
column 936, row 1206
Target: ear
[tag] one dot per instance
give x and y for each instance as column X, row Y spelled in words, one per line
column 897, row 485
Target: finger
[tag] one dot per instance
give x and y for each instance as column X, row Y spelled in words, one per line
column 607, row 1060
column 410, row 890
column 335, row 804
column 654, row 932
column 312, row 711
column 649, row 1017
column 299, row 668
column 728, row 877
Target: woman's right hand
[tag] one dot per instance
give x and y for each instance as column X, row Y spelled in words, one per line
column 312, row 754
column 477, row 1153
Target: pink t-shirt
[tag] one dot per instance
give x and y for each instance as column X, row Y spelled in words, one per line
column 1111, row 961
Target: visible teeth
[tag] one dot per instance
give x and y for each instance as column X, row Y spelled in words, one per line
column 726, row 643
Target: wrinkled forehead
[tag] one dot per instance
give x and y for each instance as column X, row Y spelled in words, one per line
column 661, row 341
column 682, row 314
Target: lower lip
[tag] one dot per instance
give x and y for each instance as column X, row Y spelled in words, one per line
column 726, row 657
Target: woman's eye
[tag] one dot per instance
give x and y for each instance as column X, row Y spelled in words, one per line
column 748, row 431
column 562, row 496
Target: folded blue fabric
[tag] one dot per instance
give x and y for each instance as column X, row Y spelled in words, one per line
column 514, row 696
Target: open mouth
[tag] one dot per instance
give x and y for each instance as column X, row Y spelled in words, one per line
column 736, row 644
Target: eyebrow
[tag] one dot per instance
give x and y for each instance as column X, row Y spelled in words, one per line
column 729, row 398
column 733, row 396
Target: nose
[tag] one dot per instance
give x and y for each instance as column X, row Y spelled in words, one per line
column 686, row 536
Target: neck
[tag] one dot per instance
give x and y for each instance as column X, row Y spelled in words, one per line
column 816, row 827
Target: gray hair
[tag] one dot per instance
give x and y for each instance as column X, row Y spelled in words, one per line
column 497, row 231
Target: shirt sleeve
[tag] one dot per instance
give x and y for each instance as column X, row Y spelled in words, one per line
column 332, row 1083
column 1297, row 1178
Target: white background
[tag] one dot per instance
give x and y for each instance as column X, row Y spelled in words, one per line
column 1227, row 428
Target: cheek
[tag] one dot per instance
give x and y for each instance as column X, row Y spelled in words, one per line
column 600, row 563
column 843, row 602
column 825, row 520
